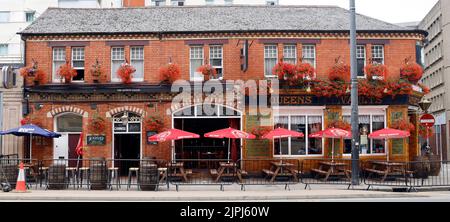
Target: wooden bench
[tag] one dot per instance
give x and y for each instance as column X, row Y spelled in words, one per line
column 319, row 171
column 268, row 172
column 380, row 172
column 213, row 172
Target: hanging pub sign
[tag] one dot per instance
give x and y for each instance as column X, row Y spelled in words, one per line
column 96, row 140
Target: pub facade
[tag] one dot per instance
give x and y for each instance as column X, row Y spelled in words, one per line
column 244, row 43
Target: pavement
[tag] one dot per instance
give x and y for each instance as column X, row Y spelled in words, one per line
column 231, row 193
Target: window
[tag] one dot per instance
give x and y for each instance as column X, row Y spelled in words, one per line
column 177, row 2
column 270, row 59
column 59, row 59
column 309, row 54
column 29, row 16
column 209, row 2
column 290, row 54
column 3, row 49
column 196, row 60
column 117, row 58
column 69, row 123
column 4, row 17
column 367, row 125
column 216, row 59
column 378, row 54
column 137, row 61
column 301, row 145
column 361, row 59
column 78, row 63
column 158, row 2
column 271, row 2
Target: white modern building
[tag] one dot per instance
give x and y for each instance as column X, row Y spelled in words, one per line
column 15, row 15
column 437, row 71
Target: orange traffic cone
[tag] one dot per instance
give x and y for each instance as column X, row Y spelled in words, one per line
column 20, row 185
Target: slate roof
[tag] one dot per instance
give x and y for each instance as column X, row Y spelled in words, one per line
column 190, row 19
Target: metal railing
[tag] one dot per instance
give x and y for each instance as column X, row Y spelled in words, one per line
column 427, row 174
column 268, row 172
column 326, row 171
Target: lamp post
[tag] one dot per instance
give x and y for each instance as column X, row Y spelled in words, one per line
column 425, row 105
column 354, row 96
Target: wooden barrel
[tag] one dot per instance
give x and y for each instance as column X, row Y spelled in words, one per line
column 421, row 167
column 57, row 176
column 435, row 164
column 148, row 176
column 98, row 174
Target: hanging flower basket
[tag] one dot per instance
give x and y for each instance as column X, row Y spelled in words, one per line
column 38, row 75
column 305, row 71
column 125, row 73
column 170, row 72
column 66, row 72
column 96, row 71
column 376, row 71
column 371, row 89
column 208, row 71
column 260, row 131
column 97, row 125
column 403, row 124
column 425, row 89
column 411, row 71
column 154, row 124
column 339, row 72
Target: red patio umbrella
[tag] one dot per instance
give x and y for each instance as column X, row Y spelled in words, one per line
column 333, row 133
column 389, row 134
column 282, row 133
column 229, row 133
column 172, row 134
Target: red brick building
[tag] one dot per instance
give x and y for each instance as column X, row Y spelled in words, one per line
column 149, row 38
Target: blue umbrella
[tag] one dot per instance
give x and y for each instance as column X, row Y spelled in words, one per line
column 30, row 130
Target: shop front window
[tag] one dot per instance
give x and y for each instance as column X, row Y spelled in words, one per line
column 367, row 125
column 299, row 146
column 69, row 123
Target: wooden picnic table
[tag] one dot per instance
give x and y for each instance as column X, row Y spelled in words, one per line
column 224, row 170
column 332, row 168
column 385, row 169
column 180, row 167
column 280, row 168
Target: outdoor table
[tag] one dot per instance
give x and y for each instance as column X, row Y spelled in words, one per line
column 180, row 167
column 332, row 168
column 385, row 169
column 221, row 171
column 278, row 167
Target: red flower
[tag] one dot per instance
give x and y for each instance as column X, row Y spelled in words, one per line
column 411, row 71
column 25, row 121
column 154, row 123
column 207, row 70
column 425, row 89
column 340, row 124
column 170, row 72
column 425, row 132
column 403, row 124
column 97, row 125
column 339, row 72
column 125, row 73
column 260, row 131
column 67, row 72
column 376, row 70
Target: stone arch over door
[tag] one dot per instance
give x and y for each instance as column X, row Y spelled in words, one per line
column 133, row 109
column 67, row 109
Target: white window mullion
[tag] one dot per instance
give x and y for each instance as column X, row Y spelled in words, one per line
column 307, row 134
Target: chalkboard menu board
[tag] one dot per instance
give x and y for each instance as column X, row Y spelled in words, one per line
column 96, row 140
column 397, row 146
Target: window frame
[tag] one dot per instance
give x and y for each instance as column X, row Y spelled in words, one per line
column 365, row 60
column 304, row 49
column 6, row 46
column 192, row 76
column 140, row 79
column 306, row 116
column 73, row 49
column 114, row 77
column 292, row 46
column 8, row 16
column 270, row 75
column 32, row 13
column 55, row 77
column 217, row 58
column 382, row 53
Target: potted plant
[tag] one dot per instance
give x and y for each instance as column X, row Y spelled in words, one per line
column 66, row 72
column 208, row 71
column 96, row 71
column 170, row 73
column 154, row 124
column 38, row 75
column 125, row 72
column 376, row 71
column 411, row 71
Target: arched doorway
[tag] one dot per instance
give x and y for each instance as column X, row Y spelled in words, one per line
column 203, row 118
column 69, row 125
column 127, row 139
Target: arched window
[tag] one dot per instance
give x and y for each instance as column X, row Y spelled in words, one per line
column 69, row 122
column 127, row 122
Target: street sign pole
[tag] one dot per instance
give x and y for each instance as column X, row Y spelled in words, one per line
column 354, row 96
column 428, row 121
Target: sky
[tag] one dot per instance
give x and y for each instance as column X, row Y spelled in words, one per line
column 393, row 11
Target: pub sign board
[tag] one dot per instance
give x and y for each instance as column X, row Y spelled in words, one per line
column 96, row 140
column 311, row 100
